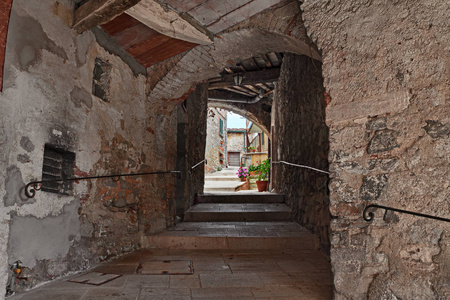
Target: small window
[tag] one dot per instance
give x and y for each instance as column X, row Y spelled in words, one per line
column 262, row 138
column 220, row 126
column 101, row 79
column 57, row 164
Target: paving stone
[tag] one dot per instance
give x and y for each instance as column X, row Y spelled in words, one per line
column 164, row 294
column 230, row 280
column 189, row 281
column 111, row 293
column 222, row 293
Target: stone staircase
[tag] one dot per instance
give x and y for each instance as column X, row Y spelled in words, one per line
column 223, row 181
column 236, row 221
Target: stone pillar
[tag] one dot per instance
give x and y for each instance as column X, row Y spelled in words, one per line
column 300, row 136
column 191, row 143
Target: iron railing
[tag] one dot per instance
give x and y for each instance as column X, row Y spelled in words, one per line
column 369, row 216
column 197, row 164
column 300, row 166
column 33, row 186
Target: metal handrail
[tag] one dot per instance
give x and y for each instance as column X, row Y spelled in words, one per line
column 300, row 166
column 369, row 216
column 32, row 187
column 197, row 164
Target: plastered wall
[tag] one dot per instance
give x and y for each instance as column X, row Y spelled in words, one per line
column 47, row 99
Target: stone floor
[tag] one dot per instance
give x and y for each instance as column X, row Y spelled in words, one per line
column 217, row 274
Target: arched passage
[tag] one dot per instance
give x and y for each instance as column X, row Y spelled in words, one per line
column 255, row 115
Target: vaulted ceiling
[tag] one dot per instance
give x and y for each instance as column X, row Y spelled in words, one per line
column 152, row 31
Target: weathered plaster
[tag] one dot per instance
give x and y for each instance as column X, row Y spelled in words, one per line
column 47, row 99
column 28, row 243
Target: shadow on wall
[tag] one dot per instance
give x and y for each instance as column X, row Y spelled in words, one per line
column 300, row 136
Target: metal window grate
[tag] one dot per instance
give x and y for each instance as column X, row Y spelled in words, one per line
column 220, row 126
column 57, row 164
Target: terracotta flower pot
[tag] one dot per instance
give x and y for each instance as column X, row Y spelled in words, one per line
column 262, row 185
column 243, row 179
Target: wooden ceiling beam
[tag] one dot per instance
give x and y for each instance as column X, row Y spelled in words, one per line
column 250, row 78
column 99, row 12
column 227, row 95
column 238, row 91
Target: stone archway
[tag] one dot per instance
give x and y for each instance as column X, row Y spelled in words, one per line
column 280, row 31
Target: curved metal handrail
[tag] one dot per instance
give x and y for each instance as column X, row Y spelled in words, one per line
column 32, row 187
column 197, row 164
column 369, row 216
column 300, row 166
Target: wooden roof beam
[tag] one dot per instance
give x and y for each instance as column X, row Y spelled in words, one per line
column 94, row 13
column 250, row 78
column 167, row 21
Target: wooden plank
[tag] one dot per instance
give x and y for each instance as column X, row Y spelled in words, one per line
column 250, row 78
column 169, row 22
column 163, row 51
column 98, row 12
column 119, row 24
column 136, row 35
column 266, row 60
column 150, row 44
column 5, row 11
column 238, row 92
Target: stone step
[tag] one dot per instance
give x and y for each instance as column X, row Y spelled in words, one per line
column 222, row 178
column 219, row 212
column 222, row 186
column 241, row 197
column 234, row 235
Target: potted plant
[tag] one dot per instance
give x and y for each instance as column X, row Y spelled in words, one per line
column 243, row 173
column 263, row 174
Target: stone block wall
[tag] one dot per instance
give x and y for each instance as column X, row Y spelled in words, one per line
column 47, row 99
column 386, row 70
column 300, row 136
column 191, row 144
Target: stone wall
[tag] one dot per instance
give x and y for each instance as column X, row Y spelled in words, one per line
column 300, row 136
column 216, row 143
column 47, row 99
column 191, row 145
column 386, row 70
column 236, row 141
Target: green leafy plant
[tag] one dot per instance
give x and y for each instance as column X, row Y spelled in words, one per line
column 219, row 169
column 263, row 170
column 252, row 168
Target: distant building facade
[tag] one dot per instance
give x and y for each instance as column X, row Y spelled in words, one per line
column 236, row 145
column 216, row 139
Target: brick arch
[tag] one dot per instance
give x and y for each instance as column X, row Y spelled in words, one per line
column 5, row 12
column 269, row 32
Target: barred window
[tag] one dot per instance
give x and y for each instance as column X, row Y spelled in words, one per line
column 58, row 164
